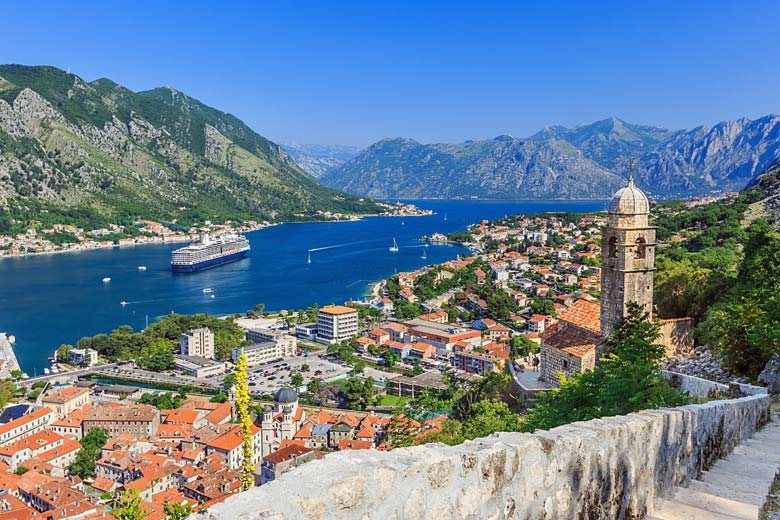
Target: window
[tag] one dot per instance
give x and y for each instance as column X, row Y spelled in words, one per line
column 641, row 248
column 612, row 247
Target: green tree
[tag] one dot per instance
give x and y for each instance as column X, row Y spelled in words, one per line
column 489, row 416
column 91, row 444
column 62, row 353
column 229, row 381
column 314, row 385
column 391, row 358
column 219, row 397
column 21, row 470
column 128, row 506
column 7, row 391
column 359, row 392
column 296, row 379
column 176, row 510
column 627, row 380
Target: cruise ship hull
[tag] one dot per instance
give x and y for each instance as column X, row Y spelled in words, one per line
column 208, row 264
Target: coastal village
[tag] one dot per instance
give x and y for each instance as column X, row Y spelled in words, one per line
column 61, row 237
column 526, row 302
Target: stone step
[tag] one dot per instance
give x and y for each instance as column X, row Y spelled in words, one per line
column 745, row 466
column 673, row 510
column 722, row 488
column 710, row 502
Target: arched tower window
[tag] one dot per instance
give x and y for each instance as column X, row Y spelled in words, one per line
column 641, row 248
column 612, row 247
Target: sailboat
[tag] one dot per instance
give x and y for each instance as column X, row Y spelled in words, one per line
column 394, row 249
column 308, row 259
column 425, row 254
column 445, row 217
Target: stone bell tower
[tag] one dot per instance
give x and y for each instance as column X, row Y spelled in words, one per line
column 627, row 256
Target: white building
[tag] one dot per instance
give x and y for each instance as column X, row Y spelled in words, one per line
column 306, row 331
column 198, row 342
column 286, row 345
column 199, row 367
column 259, row 353
column 336, row 323
column 82, row 356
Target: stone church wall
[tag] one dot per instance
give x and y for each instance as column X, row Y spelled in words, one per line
column 677, row 336
column 605, row 468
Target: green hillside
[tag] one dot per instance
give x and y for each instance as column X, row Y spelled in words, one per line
column 94, row 153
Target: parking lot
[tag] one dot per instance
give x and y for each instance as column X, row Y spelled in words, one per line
column 266, row 379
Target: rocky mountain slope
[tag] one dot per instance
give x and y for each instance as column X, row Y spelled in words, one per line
column 504, row 167
column 319, row 159
column 587, row 161
column 96, row 150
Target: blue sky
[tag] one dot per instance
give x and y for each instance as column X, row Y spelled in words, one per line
column 353, row 73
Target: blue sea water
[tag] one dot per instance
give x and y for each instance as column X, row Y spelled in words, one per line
column 52, row 299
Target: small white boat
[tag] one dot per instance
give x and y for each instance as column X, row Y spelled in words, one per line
column 207, row 290
column 123, row 303
column 106, row 279
column 12, row 339
column 394, row 248
column 55, row 370
column 46, row 371
column 142, row 268
column 424, row 255
column 308, row 260
column 445, row 217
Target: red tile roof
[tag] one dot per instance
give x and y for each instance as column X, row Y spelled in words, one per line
column 583, row 314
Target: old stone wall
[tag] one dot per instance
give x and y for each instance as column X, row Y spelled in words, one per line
column 704, row 388
column 605, row 468
column 676, row 335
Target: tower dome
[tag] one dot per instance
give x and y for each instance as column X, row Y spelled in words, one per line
column 285, row 395
column 629, row 201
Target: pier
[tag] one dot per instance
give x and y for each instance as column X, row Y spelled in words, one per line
column 8, row 356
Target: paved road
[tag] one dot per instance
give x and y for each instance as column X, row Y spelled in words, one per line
column 63, row 375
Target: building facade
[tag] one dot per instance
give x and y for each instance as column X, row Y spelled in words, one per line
column 142, row 420
column 198, row 342
column 68, row 400
column 336, row 323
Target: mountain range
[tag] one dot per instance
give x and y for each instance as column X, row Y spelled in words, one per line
column 96, row 150
column 319, row 159
column 585, row 162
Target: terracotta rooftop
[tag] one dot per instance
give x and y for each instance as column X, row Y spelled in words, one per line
column 291, row 451
column 65, row 394
column 584, row 314
column 337, row 309
column 572, row 340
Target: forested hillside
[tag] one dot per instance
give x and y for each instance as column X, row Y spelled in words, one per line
column 722, row 267
column 95, row 153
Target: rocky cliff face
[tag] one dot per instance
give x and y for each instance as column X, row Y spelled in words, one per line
column 317, row 159
column 726, row 156
column 583, row 162
column 100, row 148
column 504, row 167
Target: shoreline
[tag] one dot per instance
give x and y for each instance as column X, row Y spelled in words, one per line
column 177, row 239
column 8, row 354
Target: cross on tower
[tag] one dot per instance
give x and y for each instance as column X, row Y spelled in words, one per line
column 631, row 164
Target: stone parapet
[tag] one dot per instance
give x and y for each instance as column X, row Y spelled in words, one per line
column 606, row 468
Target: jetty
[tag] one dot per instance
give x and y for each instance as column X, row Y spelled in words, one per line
column 8, row 356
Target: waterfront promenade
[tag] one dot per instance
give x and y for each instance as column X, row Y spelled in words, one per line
column 8, row 356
